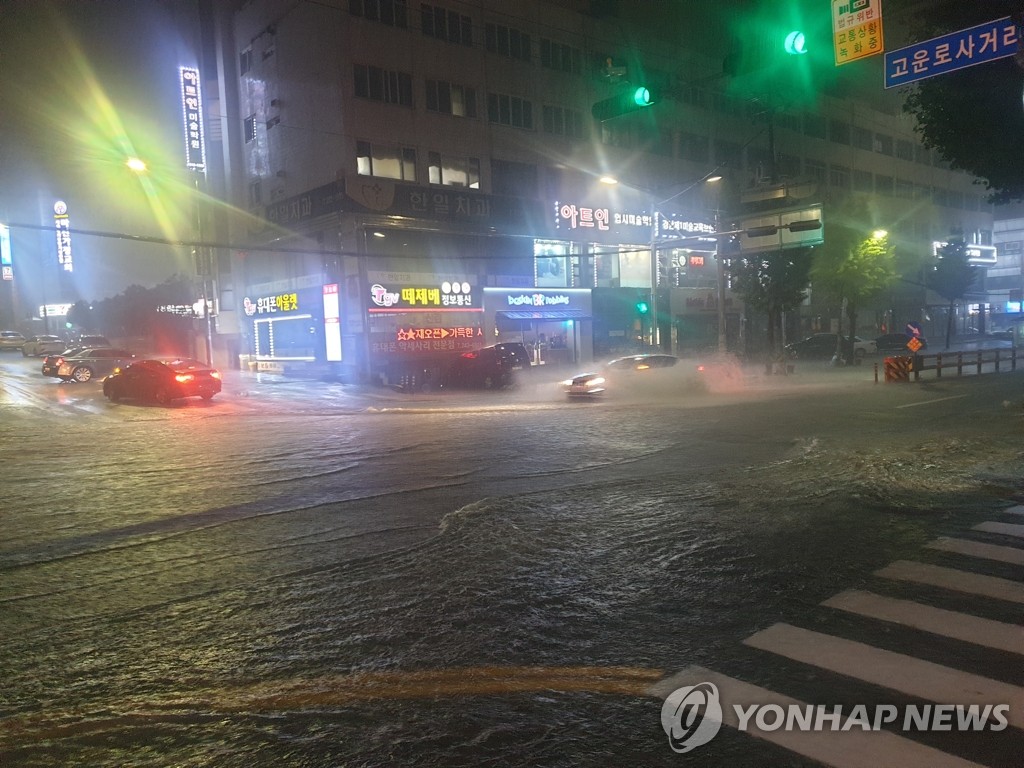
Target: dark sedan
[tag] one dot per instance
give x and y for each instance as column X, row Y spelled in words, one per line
column 162, row 380
column 52, row 363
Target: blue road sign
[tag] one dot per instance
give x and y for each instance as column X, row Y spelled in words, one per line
column 957, row 50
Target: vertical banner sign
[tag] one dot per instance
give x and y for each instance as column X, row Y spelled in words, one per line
column 856, row 29
column 332, row 322
column 62, row 222
column 192, row 114
column 5, row 253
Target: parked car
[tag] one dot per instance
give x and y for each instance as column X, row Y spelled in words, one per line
column 162, row 380
column 822, row 346
column 11, row 340
column 92, row 340
column 897, row 342
column 51, row 363
column 487, row 368
column 35, row 346
column 90, row 363
column 624, row 374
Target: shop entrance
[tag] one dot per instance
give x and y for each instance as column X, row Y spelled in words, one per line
column 551, row 338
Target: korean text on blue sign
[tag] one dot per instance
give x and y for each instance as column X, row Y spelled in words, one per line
column 957, row 50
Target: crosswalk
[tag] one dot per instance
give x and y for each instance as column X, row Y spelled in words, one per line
column 971, row 617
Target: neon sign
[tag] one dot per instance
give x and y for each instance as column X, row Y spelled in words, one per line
column 62, row 222
column 192, row 116
column 5, row 253
column 450, row 296
column 266, row 305
column 537, row 300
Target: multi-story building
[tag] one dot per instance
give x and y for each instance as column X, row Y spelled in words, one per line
column 426, row 178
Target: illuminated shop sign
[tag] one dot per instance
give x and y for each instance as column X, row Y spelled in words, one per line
column 54, row 310
column 332, row 322
column 631, row 224
column 416, row 340
column 977, row 255
column 449, row 296
column 5, row 253
column 185, row 310
column 62, row 222
column 537, row 300
column 192, row 116
column 269, row 305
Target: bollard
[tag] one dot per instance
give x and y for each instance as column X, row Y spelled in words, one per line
column 876, row 373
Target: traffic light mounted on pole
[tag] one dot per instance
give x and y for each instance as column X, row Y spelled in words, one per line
column 637, row 97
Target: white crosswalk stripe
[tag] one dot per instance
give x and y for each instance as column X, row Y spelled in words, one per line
column 901, row 673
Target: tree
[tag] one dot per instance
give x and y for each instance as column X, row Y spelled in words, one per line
column 853, row 269
column 973, row 117
column 951, row 276
column 773, row 283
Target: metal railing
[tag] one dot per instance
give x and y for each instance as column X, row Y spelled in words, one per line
column 956, row 363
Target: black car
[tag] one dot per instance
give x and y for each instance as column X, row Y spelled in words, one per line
column 822, row 346
column 52, row 363
column 90, row 363
column 162, row 380
column 487, row 368
column 897, row 342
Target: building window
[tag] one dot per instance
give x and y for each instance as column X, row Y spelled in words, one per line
column 394, row 13
column 509, row 110
column 453, row 171
column 446, row 25
column 814, row 126
column 695, row 148
column 884, row 185
column 250, row 129
column 905, row 189
column 816, row 170
column 839, row 132
column 904, row 149
column 728, row 152
column 507, row 41
column 245, row 61
column 451, row 99
column 383, row 85
column 883, row 143
column 388, row 162
column 863, row 138
column 922, row 155
column 839, row 177
column 863, row 181
column 516, row 179
column 789, row 165
column 562, row 122
column 558, row 56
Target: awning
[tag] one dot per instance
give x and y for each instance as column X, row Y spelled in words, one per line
column 546, row 314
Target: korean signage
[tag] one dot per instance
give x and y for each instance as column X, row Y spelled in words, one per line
column 448, row 296
column 62, row 222
column 192, row 116
column 977, row 255
column 627, row 224
column 269, row 305
column 410, row 340
column 856, row 29
column 957, row 50
column 6, row 262
column 54, row 310
column 332, row 322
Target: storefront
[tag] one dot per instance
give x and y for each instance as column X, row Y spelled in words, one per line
column 555, row 324
column 294, row 331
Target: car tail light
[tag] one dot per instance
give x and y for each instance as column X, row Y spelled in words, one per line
column 182, row 378
column 469, row 355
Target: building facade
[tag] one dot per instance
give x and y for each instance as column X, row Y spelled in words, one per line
column 400, row 163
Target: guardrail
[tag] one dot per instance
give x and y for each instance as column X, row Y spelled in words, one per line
column 957, row 363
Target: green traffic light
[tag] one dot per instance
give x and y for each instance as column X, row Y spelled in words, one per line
column 796, row 43
column 641, row 307
column 642, row 97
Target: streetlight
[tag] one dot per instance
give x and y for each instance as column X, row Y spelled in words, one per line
column 136, row 165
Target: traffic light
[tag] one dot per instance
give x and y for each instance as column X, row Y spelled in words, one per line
column 637, row 97
column 642, row 307
column 795, row 43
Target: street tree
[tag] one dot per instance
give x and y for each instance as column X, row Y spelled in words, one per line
column 973, row 116
column 773, row 283
column 951, row 276
column 853, row 269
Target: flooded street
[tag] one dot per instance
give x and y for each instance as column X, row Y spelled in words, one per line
column 303, row 575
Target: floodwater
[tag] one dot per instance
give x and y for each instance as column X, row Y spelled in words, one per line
column 273, row 580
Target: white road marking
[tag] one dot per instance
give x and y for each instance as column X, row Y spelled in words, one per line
column 1007, row 529
column 896, row 671
column 1017, row 510
column 979, row 549
column 854, row 748
column 958, row 581
column 929, row 402
column 938, row 621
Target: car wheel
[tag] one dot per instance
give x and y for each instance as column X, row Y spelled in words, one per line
column 162, row 396
column 207, row 395
column 82, row 375
column 113, row 395
column 488, row 382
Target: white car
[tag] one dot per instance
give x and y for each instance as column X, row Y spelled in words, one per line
column 37, row 346
column 11, row 340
